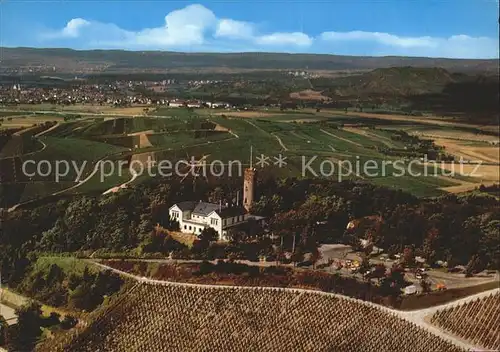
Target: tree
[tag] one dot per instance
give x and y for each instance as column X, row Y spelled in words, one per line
column 208, row 235
column 394, row 281
column 316, row 256
column 24, row 335
column 426, row 286
column 3, row 330
column 297, row 256
column 474, row 266
column 68, row 322
column 236, row 236
column 408, row 257
column 364, row 265
column 378, row 272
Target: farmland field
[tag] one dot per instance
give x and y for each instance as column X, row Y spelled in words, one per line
column 475, row 321
column 17, row 121
column 168, row 317
column 19, row 186
column 333, row 142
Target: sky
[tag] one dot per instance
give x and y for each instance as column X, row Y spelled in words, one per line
column 431, row 28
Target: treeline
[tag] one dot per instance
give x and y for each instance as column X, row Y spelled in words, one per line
column 28, row 331
column 77, row 291
column 240, row 274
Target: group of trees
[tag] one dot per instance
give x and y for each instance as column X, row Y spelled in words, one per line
column 301, row 214
column 80, row 291
column 24, row 335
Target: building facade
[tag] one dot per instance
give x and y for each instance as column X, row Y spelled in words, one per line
column 194, row 217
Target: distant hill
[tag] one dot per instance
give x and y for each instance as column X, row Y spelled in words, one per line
column 393, row 81
column 92, row 61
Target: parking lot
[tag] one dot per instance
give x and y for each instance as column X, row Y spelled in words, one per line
column 344, row 260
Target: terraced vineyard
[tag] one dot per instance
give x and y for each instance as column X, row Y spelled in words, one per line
column 177, row 317
column 18, row 186
column 477, row 321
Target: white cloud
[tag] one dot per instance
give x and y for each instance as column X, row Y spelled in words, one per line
column 197, row 28
column 228, row 28
column 73, row 27
column 382, row 38
column 192, row 27
column 295, row 38
column 457, row 46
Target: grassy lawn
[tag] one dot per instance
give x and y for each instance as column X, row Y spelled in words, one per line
column 174, row 112
column 67, row 264
column 183, row 139
column 419, row 186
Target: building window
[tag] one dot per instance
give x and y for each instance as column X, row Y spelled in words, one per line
column 214, row 221
column 175, row 214
column 200, row 229
column 189, row 228
column 224, row 222
column 185, row 227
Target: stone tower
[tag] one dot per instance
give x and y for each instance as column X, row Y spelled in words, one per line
column 248, row 188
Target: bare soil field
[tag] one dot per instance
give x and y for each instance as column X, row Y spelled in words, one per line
column 249, row 114
column 477, row 171
column 141, row 132
column 433, row 120
column 136, row 110
column 26, row 121
column 486, row 175
column 220, row 128
column 456, row 135
column 466, row 187
column 144, row 141
column 309, row 94
column 303, row 120
column 468, row 152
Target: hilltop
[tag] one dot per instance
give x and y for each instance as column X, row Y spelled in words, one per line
column 92, row 61
column 397, row 81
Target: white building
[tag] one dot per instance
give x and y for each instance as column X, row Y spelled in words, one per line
column 194, row 217
column 176, row 104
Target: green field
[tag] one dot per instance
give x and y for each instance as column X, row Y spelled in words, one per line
column 38, row 178
column 182, row 133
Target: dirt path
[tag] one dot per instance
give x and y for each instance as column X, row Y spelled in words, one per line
column 123, row 185
column 280, row 142
column 342, row 139
column 8, row 313
column 268, row 133
column 48, row 130
column 386, row 141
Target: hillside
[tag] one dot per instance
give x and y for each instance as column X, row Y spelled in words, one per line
column 395, row 81
column 88, row 61
column 166, row 317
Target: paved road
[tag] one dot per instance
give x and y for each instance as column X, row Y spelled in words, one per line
column 417, row 317
column 8, row 313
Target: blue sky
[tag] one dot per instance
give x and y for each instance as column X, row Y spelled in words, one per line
column 435, row 28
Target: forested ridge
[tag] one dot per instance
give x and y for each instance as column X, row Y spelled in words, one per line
column 451, row 228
